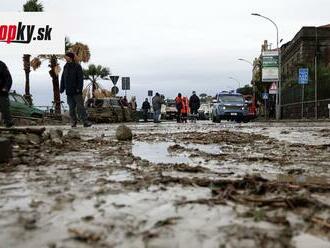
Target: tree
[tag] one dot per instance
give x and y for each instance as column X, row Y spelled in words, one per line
column 29, row 6
column 246, row 90
column 94, row 73
column 82, row 53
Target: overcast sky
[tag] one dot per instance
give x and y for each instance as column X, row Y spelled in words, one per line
column 171, row 46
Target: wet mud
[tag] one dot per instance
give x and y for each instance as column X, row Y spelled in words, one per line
column 199, row 185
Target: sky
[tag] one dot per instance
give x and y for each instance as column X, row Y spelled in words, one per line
column 170, row 46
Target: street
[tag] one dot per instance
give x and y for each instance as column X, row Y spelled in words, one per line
column 261, row 184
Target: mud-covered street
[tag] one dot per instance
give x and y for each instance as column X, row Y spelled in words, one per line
column 174, row 185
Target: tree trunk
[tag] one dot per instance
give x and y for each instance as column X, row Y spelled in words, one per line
column 26, row 64
column 93, row 89
column 56, row 84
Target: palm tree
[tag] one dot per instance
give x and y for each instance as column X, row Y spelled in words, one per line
column 82, row 55
column 94, row 73
column 29, row 6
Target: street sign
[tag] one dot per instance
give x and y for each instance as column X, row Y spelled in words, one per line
column 114, row 90
column 114, row 79
column 270, row 62
column 265, row 96
column 273, row 89
column 150, row 93
column 125, row 83
column 303, row 76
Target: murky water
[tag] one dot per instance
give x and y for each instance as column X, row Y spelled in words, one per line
column 158, row 153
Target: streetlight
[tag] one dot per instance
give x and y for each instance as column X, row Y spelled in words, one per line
column 278, row 95
column 236, row 80
column 245, row 60
column 253, row 83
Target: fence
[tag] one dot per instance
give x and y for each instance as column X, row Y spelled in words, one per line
column 299, row 101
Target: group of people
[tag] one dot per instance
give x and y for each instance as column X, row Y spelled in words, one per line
column 72, row 84
column 183, row 105
column 157, row 102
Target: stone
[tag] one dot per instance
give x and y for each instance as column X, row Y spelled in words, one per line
column 5, row 150
column 73, row 134
column 55, row 133
column 21, row 139
column 56, row 136
column 34, row 139
column 124, row 133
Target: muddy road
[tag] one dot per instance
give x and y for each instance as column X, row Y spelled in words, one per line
column 194, row 185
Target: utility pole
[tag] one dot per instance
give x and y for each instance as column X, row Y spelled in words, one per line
column 279, row 84
column 315, row 74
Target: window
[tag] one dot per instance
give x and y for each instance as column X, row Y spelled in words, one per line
column 20, row 99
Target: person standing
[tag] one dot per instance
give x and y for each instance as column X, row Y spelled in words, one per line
column 145, row 109
column 157, row 102
column 72, row 82
column 5, row 85
column 185, row 109
column 178, row 105
column 194, row 103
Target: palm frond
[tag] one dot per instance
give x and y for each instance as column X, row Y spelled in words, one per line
column 33, row 6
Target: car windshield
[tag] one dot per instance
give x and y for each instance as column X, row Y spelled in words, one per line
column 20, row 99
column 171, row 104
column 231, row 98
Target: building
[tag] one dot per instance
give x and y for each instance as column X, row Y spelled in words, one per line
column 310, row 48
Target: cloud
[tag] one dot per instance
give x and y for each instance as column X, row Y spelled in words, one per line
column 171, row 45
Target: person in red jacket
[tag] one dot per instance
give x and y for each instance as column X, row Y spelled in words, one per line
column 178, row 104
column 185, row 109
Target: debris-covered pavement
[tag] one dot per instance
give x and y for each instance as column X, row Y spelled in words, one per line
column 194, row 185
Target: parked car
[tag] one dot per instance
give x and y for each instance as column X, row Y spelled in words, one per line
column 231, row 107
column 251, row 106
column 170, row 110
column 204, row 111
column 107, row 110
column 20, row 107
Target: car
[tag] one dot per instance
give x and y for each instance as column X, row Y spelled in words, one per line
column 107, row 110
column 204, row 111
column 170, row 110
column 231, row 107
column 19, row 107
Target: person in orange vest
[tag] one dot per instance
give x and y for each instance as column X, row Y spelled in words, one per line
column 178, row 104
column 185, row 109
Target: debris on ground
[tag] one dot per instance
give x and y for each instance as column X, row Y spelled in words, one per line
column 222, row 187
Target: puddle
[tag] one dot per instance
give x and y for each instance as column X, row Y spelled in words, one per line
column 158, row 153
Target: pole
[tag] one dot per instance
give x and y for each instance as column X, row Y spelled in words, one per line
column 302, row 100
column 265, row 109
column 279, row 84
column 315, row 74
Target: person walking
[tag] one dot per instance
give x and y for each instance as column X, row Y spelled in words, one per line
column 72, row 82
column 185, row 109
column 5, row 85
column 145, row 109
column 194, row 104
column 157, row 102
column 178, row 105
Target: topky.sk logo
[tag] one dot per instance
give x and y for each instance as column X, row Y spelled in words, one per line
column 21, row 33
